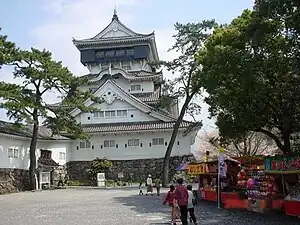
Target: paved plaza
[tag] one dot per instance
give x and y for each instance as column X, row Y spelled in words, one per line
column 112, row 207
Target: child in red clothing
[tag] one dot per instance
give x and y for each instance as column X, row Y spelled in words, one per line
column 170, row 199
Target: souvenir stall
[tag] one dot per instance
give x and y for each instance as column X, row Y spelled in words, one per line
column 208, row 179
column 286, row 170
column 262, row 193
column 250, row 166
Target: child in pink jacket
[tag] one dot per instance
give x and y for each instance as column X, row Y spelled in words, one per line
column 170, row 199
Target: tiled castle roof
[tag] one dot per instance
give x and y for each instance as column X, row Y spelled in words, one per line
column 114, row 25
column 46, row 134
column 132, row 127
column 149, row 97
column 130, row 75
column 26, row 131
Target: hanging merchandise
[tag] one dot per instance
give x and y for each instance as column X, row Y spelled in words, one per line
column 262, row 187
column 242, row 179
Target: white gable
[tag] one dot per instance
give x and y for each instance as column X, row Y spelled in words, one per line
column 119, row 107
column 115, row 32
column 115, row 29
column 110, row 92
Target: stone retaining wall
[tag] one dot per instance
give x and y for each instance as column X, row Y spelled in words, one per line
column 13, row 180
column 136, row 170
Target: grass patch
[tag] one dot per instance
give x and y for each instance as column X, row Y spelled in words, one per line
column 79, row 183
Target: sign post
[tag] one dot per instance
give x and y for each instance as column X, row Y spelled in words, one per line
column 101, row 179
column 221, row 173
column 121, row 176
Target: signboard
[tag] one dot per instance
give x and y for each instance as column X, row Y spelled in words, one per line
column 45, row 177
column 100, row 176
column 196, row 169
column 283, row 164
column 120, row 175
column 222, row 165
column 101, row 179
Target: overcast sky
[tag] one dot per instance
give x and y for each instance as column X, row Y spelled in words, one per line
column 51, row 24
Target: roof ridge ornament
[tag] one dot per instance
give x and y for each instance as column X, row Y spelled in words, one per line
column 115, row 16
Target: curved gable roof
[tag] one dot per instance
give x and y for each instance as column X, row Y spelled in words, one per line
column 163, row 116
column 115, row 30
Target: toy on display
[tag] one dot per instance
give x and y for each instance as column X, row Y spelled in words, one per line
column 262, row 187
column 242, row 179
column 212, row 186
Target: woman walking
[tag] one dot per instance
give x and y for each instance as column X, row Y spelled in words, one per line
column 181, row 196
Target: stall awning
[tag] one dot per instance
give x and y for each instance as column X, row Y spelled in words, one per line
column 183, row 166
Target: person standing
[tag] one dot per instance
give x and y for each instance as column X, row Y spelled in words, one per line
column 140, row 188
column 191, row 204
column 149, row 185
column 60, row 180
column 157, row 185
column 170, row 199
column 181, row 196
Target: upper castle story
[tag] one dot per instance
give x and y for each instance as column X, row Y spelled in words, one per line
column 124, row 55
column 122, row 73
column 118, row 46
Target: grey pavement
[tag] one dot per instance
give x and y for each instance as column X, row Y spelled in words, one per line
column 113, row 207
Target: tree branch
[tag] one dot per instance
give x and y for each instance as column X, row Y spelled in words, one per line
column 271, row 135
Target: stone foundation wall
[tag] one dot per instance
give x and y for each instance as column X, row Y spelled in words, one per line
column 13, row 180
column 135, row 170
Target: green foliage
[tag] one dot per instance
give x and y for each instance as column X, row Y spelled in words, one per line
column 251, row 73
column 189, row 39
column 7, row 50
column 165, row 102
column 25, row 103
column 110, row 183
column 99, row 166
column 41, row 75
column 79, row 183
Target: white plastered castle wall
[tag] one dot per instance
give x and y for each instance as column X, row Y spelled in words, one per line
column 182, row 146
column 60, row 151
column 146, row 85
column 135, row 65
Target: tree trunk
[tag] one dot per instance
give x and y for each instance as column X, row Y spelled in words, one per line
column 32, row 150
column 166, row 165
column 286, row 142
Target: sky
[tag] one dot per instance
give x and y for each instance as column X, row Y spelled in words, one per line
column 51, row 24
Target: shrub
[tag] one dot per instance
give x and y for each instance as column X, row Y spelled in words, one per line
column 79, row 183
column 99, row 166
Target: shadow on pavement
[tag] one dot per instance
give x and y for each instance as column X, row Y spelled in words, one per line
column 158, row 223
column 207, row 213
column 144, row 204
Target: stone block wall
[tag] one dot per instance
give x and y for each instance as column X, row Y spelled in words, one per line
column 135, row 170
column 13, row 180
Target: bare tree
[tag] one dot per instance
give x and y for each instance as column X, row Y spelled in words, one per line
column 204, row 144
column 251, row 144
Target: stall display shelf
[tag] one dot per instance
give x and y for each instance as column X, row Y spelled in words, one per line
column 261, row 191
column 292, row 202
column 262, row 187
